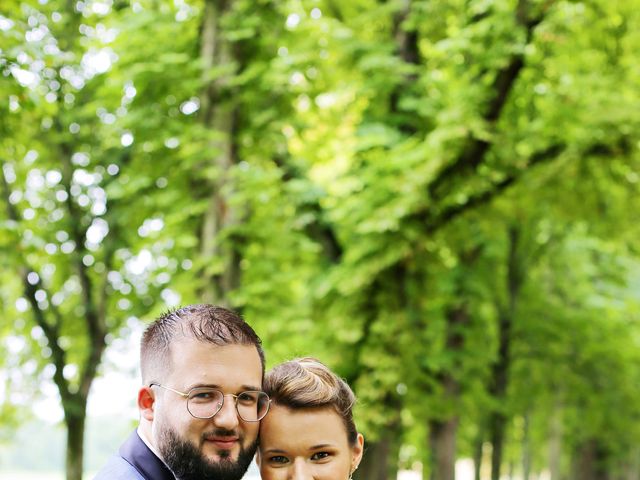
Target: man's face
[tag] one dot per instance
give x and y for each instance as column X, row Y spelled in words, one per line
column 222, row 446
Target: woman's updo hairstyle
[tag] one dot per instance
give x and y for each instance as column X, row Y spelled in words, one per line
column 308, row 383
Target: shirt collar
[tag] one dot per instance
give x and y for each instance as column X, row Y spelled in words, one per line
column 136, row 451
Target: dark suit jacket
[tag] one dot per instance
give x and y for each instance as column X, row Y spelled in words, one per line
column 135, row 461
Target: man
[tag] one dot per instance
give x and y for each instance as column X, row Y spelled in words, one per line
column 200, row 402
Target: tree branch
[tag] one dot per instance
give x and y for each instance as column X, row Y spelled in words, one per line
column 78, row 234
column 434, row 222
column 320, row 229
column 474, row 151
column 408, row 51
column 95, row 324
column 51, row 332
column 437, row 220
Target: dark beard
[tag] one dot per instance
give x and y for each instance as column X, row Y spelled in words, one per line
column 187, row 463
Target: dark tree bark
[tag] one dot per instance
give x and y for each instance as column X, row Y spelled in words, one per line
column 442, row 441
column 443, row 432
column 380, row 460
column 377, row 461
column 500, row 371
column 478, row 453
column 590, row 461
column 75, row 421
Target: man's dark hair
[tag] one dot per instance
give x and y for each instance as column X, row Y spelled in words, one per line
column 206, row 323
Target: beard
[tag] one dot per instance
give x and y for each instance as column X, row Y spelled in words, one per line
column 188, row 463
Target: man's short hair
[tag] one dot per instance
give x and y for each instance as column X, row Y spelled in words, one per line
column 206, row 323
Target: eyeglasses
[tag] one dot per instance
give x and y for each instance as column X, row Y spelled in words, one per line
column 203, row 402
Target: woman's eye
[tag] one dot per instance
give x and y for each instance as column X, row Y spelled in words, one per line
column 320, row 455
column 278, row 459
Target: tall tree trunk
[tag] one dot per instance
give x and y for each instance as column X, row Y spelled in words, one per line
column 500, row 371
column 497, row 428
column 219, row 115
column 632, row 468
column 375, row 463
column 478, row 452
column 589, row 463
column 75, row 416
column 442, row 439
column 380, row 461
column 443, row 432
column 526, row 448
column 555, row 442
column 583, row 468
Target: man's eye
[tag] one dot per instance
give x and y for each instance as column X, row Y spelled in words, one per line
column 247, row 398
column 278, row 459
column 203, row 396
column 320, row 455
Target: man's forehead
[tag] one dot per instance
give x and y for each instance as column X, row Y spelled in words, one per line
column 192, row 357
column 188, row 341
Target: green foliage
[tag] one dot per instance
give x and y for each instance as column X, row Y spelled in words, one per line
column 382, row 155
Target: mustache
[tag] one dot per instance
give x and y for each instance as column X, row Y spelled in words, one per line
column 222, row 432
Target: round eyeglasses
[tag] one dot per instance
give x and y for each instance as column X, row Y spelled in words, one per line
column 205, row 402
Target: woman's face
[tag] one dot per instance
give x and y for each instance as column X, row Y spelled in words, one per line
column 306, row 444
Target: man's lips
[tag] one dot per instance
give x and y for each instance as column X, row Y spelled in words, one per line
column 223, row 442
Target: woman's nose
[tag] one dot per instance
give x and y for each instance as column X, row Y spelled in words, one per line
column 301, row 470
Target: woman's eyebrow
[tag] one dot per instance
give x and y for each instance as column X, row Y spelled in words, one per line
column 322, row 445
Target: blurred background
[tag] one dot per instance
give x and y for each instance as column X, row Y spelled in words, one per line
column 439, row 199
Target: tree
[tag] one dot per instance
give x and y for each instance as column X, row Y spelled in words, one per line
column 71, row 272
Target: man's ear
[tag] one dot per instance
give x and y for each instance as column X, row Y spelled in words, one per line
column 146, row 403
column 258, row 458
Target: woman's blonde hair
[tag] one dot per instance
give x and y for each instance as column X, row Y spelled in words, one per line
column 308, row 383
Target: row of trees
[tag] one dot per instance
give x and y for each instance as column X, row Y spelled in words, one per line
column 437, row 198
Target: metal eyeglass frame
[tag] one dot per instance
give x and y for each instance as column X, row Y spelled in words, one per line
column 235, row 397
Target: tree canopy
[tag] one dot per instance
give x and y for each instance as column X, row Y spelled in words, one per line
column 438, row 199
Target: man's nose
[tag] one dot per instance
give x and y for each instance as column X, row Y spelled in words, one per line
column 301, row 470
column 227, row 417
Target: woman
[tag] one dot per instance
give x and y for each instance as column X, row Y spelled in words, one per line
column 309, row 431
